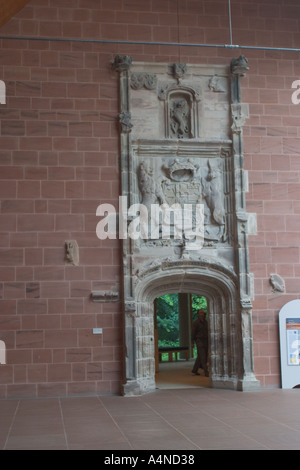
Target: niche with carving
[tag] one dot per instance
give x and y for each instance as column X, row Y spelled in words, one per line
column 180, row 106
column 181, row 111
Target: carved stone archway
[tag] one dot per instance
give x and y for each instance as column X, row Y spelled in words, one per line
column 230, row 337
column 181, row 143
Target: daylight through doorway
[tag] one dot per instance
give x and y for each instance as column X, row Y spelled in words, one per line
column 175, row 352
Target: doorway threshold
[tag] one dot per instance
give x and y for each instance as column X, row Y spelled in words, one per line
column 175, row 375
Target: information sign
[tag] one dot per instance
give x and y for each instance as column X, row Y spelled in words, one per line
column 289, row 333
column 293, row 341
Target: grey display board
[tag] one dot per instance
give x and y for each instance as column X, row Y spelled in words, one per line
column 289, row 333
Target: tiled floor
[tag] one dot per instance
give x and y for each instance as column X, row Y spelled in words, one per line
column 174, row 419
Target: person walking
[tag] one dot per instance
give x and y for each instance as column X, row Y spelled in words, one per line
column 200, row 338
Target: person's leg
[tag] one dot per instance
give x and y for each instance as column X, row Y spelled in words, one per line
column 203, row 359
column 197, row 362
column 196, row 367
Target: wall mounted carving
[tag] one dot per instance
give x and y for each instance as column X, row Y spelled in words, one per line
column 181, row 143
column 143, row 79
column 277, row 283
column 105, row 296
column 181, row 109
column 72, row 252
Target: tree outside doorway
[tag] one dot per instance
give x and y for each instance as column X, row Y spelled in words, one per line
column 168, row 318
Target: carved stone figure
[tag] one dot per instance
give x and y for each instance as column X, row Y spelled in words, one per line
column 180, row 118
column 150, row 189
column 239, row 66
column 277, row 283
column 121, row 63
column 125, row 121
column 72, row 252
column 214, row 205
column 179, row 70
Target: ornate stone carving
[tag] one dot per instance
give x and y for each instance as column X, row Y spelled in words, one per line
column 213, row 195
column 181, row 109
column 180, row 118
column 181, row 170
column 151, row 193
column 240, row 113
column 150, row 188
column 246, row 303
column 179, row 70
column 186, row 148
column 173, row 262
column 105, row 296
column 72, row 252
column 239, row 66
column 121, row 63
column 277, row 283
column 130, row 307
column 141, row 80
column 182, row 186
column 169, row 88
column 125, row 121
column 187, row 183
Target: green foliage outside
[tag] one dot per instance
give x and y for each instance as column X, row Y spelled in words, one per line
column 167, row 312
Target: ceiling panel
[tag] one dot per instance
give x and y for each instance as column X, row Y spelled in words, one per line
column 8, row 8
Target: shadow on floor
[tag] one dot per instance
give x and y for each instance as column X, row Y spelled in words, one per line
column 178, row 374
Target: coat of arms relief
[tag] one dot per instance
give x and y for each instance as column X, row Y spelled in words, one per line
column 180, row 150
column 185, row 183
column 181, row 145
column 179, row 124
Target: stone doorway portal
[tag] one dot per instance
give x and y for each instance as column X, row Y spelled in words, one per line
column 230, row 351
column 181, row 144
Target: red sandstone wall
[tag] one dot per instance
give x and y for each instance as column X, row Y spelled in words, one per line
column 59, row 161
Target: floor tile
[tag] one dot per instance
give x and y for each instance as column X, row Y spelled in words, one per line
column 190, row 419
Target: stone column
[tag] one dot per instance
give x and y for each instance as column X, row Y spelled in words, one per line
column 240, row 113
